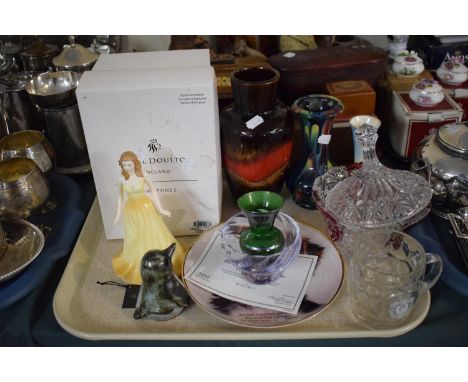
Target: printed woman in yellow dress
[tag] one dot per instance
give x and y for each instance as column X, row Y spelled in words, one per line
column 144, row 228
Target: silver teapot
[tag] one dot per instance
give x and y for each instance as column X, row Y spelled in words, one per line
column 442, row 158
column 75, row 58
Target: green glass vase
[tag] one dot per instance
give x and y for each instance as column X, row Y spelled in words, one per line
column 261, row 208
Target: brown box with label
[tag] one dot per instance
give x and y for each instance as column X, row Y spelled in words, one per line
column 358, row 97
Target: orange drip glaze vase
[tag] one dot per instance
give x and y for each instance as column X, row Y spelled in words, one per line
column 256, row 141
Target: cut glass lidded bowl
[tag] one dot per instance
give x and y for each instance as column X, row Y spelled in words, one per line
column 374, row 197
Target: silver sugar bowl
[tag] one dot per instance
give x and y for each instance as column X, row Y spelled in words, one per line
column 442, row 158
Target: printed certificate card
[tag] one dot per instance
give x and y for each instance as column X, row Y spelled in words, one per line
column 213, row 272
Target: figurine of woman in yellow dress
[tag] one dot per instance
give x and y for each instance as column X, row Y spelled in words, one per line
column 144, row 228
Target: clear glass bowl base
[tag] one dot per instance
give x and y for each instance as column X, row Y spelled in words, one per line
column 261, row 269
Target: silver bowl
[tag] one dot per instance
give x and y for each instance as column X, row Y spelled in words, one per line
column 24, row 243
column 38, row 56
column 24, row 189
column 29, row 144
column 53, row 90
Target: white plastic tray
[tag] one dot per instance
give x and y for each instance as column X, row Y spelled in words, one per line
column 91, row 311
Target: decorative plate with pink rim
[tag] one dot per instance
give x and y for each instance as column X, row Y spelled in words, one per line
column 322, row 290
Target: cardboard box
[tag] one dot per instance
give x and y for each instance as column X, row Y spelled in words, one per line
column 434, row 52
column 459, row 93
column 411, row 123
column 153, row 60
column 169, row 118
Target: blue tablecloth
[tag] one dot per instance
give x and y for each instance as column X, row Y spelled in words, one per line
column 31, row 322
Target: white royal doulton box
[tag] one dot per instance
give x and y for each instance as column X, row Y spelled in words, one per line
column 163, row 107
column 411, row 122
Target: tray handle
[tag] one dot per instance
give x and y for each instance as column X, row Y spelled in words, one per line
column 456, row 229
